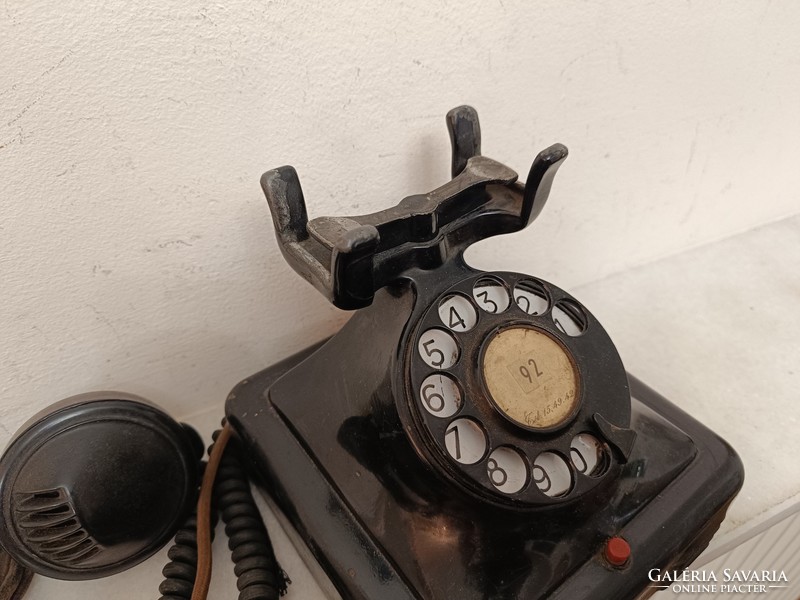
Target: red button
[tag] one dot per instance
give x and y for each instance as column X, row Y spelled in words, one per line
column 617, row 551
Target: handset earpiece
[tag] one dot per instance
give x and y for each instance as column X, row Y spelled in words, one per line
column 95, row 484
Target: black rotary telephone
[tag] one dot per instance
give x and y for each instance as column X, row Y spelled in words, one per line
column 466, row 434
column 469, row 434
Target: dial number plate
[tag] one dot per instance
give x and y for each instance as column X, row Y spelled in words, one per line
column 530, row 378
column 503, row 389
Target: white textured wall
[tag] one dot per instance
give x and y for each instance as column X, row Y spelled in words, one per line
column 136, row 251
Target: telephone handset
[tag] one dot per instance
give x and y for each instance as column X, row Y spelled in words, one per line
column 469, row 434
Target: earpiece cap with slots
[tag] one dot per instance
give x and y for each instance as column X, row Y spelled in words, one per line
column 95, row 484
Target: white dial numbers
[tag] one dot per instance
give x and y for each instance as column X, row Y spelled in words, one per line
column 491, row 295
column 500, row 391
column 569, row 318
column 440, row 395
column 531, row 297
column 507, row 470
column 465, row 441
column 458, row 313
column 438, row 349
column 588, row 455
column 551, row 474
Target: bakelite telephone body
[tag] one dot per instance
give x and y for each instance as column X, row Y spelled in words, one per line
column 469, row 434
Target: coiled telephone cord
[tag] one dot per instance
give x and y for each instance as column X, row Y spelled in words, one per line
column 180, row 572
column 188, row 575
column 259, row 576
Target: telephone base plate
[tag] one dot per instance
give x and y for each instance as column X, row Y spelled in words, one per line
column 375, row 537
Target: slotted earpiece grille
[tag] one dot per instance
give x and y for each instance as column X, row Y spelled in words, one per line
column 95, row 484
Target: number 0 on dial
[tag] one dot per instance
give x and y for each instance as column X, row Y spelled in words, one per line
column 587, row 454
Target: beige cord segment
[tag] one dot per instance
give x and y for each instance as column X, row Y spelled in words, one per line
column 202, row 580
column 531, row 378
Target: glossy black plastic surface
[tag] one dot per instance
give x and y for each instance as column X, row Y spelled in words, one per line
column 95, row 484
column 339, row 440
column 603, row 393
column 349, row 258
column 382, row 526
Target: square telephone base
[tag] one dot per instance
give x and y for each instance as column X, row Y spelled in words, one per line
column 376, row 537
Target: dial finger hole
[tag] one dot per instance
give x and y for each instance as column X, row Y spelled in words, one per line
column 440, row 395
column 588, row 455
column 465, row 441
column 491, row 295
column 551, row 474
column 507, row 470
column 458, row 313
column 569, row 318
column 438, row 349
column 531, row 297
